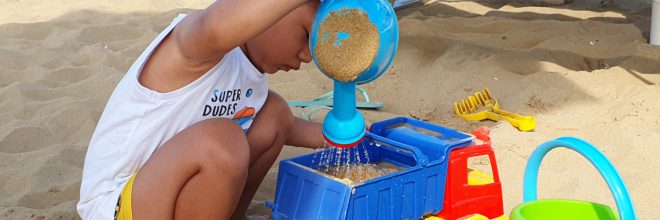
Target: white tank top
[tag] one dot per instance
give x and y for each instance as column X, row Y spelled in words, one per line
column 137, row 121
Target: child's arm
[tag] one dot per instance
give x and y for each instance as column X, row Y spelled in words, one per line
column 209, row 34
column 305, row 134
column 200, row 40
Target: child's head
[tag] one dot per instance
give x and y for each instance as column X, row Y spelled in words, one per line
column 286, row 44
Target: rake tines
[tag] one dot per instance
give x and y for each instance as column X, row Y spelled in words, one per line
column 474, row 102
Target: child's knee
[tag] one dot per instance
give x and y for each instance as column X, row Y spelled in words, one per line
column 231, row 161
column 280, row 108
column 221, row 142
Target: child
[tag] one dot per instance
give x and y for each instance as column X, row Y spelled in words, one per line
column 192, row 129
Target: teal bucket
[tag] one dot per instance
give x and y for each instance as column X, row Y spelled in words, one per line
column 551, row 209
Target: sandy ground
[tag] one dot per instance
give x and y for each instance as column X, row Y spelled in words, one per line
column 581, row 69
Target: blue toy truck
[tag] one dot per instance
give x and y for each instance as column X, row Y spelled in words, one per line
column 420, row 148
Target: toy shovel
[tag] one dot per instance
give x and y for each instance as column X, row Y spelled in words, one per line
column 482, row 106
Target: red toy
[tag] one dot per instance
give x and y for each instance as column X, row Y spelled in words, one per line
column 462, row 199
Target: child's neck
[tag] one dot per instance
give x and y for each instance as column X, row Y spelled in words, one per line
column 244, row 48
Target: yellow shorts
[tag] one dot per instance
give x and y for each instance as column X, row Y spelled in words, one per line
column 123, row 211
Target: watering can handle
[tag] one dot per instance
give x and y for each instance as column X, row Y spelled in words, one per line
column 602, row 164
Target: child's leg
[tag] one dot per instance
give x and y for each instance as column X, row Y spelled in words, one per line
column 198, row 174
column 266, row 137
column 201, row 173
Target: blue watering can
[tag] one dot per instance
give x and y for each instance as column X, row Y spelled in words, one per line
column 344, row 126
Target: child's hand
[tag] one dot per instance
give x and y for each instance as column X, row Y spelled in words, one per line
column 368, row 123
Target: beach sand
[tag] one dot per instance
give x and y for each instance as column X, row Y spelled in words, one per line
column 581, row 69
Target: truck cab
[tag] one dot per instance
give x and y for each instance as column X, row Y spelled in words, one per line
column 470, row 192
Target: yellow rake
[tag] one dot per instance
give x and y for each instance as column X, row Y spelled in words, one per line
column 482, row 106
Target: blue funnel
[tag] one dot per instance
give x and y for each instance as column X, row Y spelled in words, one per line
column 344, row 126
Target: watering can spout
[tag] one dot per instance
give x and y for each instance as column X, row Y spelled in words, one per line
column 344, row 126
column 352, row 42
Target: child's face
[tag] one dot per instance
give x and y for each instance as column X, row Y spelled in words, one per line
column 286, row 44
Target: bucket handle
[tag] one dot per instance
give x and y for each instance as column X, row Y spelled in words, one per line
column 597, row 159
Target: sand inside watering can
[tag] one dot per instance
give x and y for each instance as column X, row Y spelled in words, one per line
column 346, row 59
